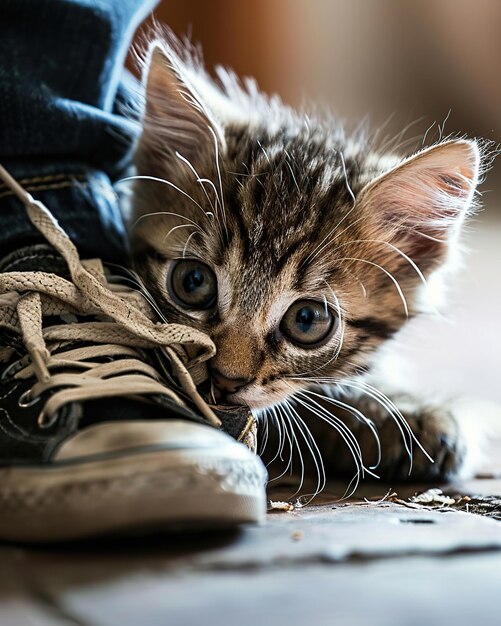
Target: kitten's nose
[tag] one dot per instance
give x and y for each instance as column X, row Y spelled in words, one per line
column 227, row 385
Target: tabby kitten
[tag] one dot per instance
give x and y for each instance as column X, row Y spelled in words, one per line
column 300, row 251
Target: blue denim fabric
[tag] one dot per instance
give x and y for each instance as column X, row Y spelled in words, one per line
column 61, row 133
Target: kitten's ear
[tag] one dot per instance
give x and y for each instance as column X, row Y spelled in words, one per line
column 419, row 205
column 175, row 119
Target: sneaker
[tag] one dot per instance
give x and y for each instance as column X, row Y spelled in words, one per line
column 102, row 429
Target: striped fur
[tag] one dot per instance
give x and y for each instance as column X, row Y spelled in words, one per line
column 284, row 206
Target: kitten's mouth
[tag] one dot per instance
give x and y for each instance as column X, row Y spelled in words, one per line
column 229, row 400
column 252, row 397
column 213, row 396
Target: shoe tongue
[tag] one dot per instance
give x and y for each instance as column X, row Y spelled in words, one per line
column 235, row 420
column 36, row 258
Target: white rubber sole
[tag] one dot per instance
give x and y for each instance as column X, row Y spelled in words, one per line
column 140, row 492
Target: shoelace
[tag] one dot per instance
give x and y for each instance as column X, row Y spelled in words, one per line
column 74, row 374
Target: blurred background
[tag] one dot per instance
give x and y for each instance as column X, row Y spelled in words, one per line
column 419, row 64
column 419, row 61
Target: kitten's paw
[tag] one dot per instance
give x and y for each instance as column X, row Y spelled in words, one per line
column 452, row 436
column 439, row 433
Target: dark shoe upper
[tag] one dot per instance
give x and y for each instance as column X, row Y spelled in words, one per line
column 78, row 347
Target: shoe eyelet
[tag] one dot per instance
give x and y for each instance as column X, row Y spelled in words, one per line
column 6, row 373
column 24, row 402
column 44, row 423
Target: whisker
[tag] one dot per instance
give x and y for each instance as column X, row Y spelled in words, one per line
column 344, row 433
column 324, row 243
column 441, row 127
column 202, row 181
column 345, row 174
column 135, row 279
column 171, row 213
column 164, row 182
column 262, row 418
column 292, row 438
column 290, row 417
column 176, row 228
column 390, row 276
column 187, row 242
column 408, row 436
column 358, row 414
column 218, row 169
column 272, row 410
column 327, row 242
column 289, row 439
column 269, row 163
column 291, row 171
column 350, row 437
column 313, row 449
column 427, row 131
column 393, row 247
column 394, row 412
column 197, row 177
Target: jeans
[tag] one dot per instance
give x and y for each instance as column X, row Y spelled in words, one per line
column 62, row 132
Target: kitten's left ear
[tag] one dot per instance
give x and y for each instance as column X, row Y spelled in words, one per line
column 419, row 205
column 175, row 120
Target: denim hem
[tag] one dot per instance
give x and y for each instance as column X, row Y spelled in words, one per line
column 81, row 198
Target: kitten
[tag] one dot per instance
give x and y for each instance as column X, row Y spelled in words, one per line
column 301, row 252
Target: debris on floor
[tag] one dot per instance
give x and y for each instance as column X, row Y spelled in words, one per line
column 430, row 499
column 278, row 506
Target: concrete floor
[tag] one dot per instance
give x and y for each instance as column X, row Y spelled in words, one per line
column 378, row 563
column 372, row 560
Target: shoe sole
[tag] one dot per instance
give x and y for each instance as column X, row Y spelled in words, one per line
column 144, row 491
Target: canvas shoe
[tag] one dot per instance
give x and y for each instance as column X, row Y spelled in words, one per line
column 102, row 429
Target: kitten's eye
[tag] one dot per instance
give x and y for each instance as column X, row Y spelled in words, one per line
column 193, row 285
column 308, row 323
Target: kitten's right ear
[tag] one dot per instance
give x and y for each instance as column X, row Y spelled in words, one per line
column 175, row 118
column 420, row 205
